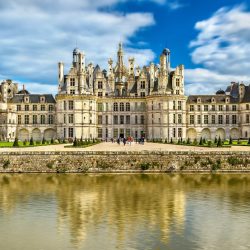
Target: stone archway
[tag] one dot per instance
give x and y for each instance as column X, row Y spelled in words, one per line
column 235, row 133
column 36, row 134
column 191, row 133
column 206, row 134
column 49, row 134
column 220, row 132
column 23, row 134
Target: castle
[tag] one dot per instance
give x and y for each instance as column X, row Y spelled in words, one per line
column 123, row 101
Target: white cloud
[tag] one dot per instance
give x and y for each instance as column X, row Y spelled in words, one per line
column 35, row 35
column 222, row 48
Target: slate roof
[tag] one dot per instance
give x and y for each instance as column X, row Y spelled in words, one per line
column 208, row 98
column 34, row 98
column 246, row 97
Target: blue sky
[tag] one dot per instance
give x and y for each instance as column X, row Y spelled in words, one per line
column 211, row 38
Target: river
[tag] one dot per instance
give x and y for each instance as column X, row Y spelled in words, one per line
column 124, row 211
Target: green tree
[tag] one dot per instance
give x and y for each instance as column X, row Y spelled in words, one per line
column 75, row 142
column 188, row 141
column 15, row 144
column 230, row 141
column 52, row 141
column 31, row 141
column 201, row 141
column 219, row 143
column 171, row 141
column 43, row 141
column 215, row 140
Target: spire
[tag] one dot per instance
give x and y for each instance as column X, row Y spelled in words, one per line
column 120, row 62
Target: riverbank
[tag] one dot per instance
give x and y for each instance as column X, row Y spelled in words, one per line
column 123, row 161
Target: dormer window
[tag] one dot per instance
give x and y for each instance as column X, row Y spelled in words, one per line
column 227, row 100
column 72, row 82
column 177, row 82
column 199, row 100
column 213, row 100
column 26, row 99
column 42, row 99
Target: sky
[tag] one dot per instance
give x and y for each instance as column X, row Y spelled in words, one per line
column 210, row 37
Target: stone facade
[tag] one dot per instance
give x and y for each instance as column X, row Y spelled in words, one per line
column 124, row 100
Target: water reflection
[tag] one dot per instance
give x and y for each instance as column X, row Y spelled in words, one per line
column 127, row 211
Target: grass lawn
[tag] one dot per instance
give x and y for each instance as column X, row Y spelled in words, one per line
column 4, row 144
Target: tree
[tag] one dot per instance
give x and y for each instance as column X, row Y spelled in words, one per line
column 52, row 141
column 230, row 141
column 171, row 141
column 201, row 141
column 15, row 144
column 204, row 140
column 219, row 143
column 215, row 140
column 75, row 142
column 43, row 141
column 31, row 141
column 248, row 141
column 188, row 140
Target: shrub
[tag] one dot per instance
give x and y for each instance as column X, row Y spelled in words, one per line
column 6, row 163
column 209, row 143
column 201, row 141
column 145, row 165
column 219, row 143
column 25, row 142
column 43, row 141
column 195, row 142
column 188, row 140
column 215, row 140
column 75, row 142
column 31, row 141
column 49, row 165
column 15, row 144
column 204, row 140
column 52, row 141
column 230, row 141
column 171, row 141
column 248, row 141
column 56, row 141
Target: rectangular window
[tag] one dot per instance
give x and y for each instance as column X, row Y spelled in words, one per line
column 247, row 118
column 127, row 106
column 234, row 108
column 115, row 133
column 42, row 119
column 42, row 107
column 213, row 107
column 191, row 119
column 26, row 119
column 142, row 84
column 99, row 85
column 191, row 107
column 64, row 105
column 220, row 119
column 26, row 108
column 107, row 107
column 247, row 106
column 199, row 119
column 72, row 82
column 179, row 105
column 213, row 119
column 177, row 82
column 99, row 120
column 121, row 119
column 227, row 107
column 71, row 132
column 115, row 119
column 99, row 94
column 71, row 118
column 64, row 118
column 205, row 107
column 179, row 119
column 127, row 132
column 174, row 105
column 71, row 105
column 34, row 107
column 127, row 119
column 220, row 108
column 72, row 92
column 142, row 119
column 234, row 119
column 174, row 132
column 121, row 106
column 174, row 119
column 19, row 119
column 227, row 119
column 199, row 107
column 99, row 132
column 115, row 107
column 18, row 108
column 51, row 119
column 107, row 119
column 99, row 107
column 142, row 94
column 136, row 119
column 179, row 132
column 34, row 119
column 64, row 133
column 51, row 107
column 205, row 119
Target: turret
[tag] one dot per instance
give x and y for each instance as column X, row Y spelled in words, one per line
column 60, row 75
column 76, row 51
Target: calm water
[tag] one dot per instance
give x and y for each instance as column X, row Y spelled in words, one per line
column 156, row 211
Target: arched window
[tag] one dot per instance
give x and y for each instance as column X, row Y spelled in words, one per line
column 121, row 106
column 115, row 106
column 127, row 106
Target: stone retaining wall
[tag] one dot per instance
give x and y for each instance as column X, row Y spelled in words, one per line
column 148, row 161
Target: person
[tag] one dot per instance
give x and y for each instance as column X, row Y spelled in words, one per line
column 118, row 140
column 124, row 141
